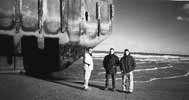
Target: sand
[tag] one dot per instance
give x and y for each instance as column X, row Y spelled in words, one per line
column 21, row 87
column 68, row 86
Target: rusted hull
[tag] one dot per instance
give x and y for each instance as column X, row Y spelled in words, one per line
column 73, row 24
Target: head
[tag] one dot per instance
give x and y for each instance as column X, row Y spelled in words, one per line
column 111, row 51
column 90, row 50
column 126, row 52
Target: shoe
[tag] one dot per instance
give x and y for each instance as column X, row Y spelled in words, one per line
column 105, row 88
column 124, row 91
column 113, row 89
column 87, row 89
column 128, row 92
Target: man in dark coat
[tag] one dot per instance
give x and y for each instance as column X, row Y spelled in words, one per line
column 110, row 63
column 127, row 65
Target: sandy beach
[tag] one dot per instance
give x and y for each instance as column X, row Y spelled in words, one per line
column 153, row 81
column 22, row 87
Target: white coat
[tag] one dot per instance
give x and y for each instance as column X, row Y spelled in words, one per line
column 88, row 61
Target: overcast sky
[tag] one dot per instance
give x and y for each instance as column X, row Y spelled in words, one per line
column 149, row 26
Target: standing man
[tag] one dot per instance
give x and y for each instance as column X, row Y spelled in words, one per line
column 110, row 63
column 127, row 65
column 88, row 67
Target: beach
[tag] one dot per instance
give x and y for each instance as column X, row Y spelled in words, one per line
column 152, row 81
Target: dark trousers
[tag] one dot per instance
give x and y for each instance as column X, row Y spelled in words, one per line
column 107, row 80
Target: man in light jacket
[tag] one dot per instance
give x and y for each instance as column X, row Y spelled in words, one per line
column 88, row 67
column 127, row 65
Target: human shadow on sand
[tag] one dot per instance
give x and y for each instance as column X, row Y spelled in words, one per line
column 73, row 83
column 78, row 84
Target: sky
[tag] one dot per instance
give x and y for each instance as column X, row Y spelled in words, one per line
column 154, row 26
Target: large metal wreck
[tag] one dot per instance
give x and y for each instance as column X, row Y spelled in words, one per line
column 52, row 34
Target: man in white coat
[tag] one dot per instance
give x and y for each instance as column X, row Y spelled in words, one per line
column 88, row 67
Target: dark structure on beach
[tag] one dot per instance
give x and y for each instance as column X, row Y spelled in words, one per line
column 51, row 34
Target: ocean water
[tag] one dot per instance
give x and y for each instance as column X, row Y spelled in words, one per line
column 148, row 57
column 148, row 68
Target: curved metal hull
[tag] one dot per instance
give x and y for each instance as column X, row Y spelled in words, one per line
column 54, row 31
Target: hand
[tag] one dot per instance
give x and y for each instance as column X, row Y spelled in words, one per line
column 121, row 72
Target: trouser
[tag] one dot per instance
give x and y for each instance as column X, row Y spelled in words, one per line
column 87, row 74
column 127, row 82
column 107, row 80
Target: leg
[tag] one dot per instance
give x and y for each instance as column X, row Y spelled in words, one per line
column 85, row 83
column 85, row 74
column 127, row 84
column 124, row 83
column 113, row 81
column 87, row 77
column 131, row 83
column 107, row 81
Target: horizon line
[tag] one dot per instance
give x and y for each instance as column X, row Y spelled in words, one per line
column 144, row 53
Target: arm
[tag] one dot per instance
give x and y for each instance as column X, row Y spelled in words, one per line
column 104, row 62
column 85, row 59
column 117, row 61
column 121, row 65
column 133, row 63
